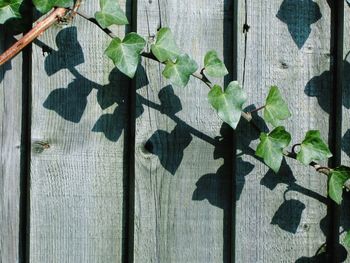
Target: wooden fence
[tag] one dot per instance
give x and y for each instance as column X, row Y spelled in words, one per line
column 95, row 167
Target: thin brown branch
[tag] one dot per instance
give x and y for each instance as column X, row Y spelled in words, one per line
column 37, row 30
column 320, row 169
column 258, row 109
column 76, row 8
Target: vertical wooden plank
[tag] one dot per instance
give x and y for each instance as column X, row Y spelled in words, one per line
column 10, row 153
column 345, row 157
column 281, row 218
column 78, row 162
column 182, row 167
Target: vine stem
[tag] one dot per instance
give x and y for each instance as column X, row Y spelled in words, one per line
column 295, row 146
column 58, row 13
column 258, row 109
column 76, row 7
column 37, row 30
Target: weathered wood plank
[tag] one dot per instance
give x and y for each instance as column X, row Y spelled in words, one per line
column 10, row 153
column 183, row 172
column 280, row 218
column 78, row 163
column 345, row 157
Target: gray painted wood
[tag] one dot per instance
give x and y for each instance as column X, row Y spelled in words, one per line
column 287, row 45
column 10, row 154
column 183, row 173
column 345, row 158
column 78, row 162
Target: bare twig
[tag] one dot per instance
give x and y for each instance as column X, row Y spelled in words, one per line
column 39, row 28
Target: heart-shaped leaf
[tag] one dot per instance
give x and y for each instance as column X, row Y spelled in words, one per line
column 126, row 54
column 110, row 14
column 179, row 72
column 228, row 103
column 45, row 6
column 313, row 148
column 271, row 147
column 276, row 109
column 9, row 9
column 337, row 179
column 213, row 66
column 165, row 47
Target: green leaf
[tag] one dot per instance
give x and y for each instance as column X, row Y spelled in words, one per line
column 45, row 6
column 276, row 109
column 313, row 148
column 337, row 179
column 9, row 9
column 110, row 14
column 126, row 54
column 229, row 103
column 346, row 240
column 213, row 66
column 271, row 147
column 179, row 72
column 165, row 47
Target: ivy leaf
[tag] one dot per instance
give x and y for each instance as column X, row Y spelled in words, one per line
column 276, row 109
column 346, row 240
column 179, row 72
column 126, row 54
column 313, row 148
column 165, row 47
column 213, row 66
column 229, row 103
column 110, row 14
column 271, row 147
column 337, row 179
column 45, row 6
column 9, row 9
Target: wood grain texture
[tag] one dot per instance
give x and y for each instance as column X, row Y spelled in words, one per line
column 10, row 154
column 183, row 173
column 78, row 162
column 345, row 145
column 281, row 218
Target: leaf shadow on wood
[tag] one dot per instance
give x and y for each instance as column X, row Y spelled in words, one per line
column 214, row 187
column 319, row 87
column 299, row 15
column 345, row 143
column 70, row 103
column 218, row 188
column 15, row 26
column 5, row 42
column 322, row 256
column 69, row 53
column 169, row 147
column 288, row 215
column 6, row 67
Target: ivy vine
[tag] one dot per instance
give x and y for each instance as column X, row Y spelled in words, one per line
column 179, row 67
